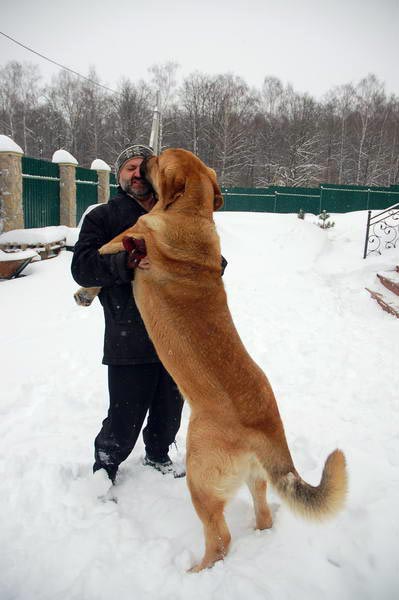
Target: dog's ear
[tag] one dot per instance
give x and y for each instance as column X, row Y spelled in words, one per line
column 218, row 199
column 172, row 187
column 217, row 194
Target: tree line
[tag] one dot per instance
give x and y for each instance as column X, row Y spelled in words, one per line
column 251, row 137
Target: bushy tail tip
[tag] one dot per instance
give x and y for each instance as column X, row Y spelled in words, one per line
column 322, row 501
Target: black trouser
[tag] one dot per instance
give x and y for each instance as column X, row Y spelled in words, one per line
column 134, row 390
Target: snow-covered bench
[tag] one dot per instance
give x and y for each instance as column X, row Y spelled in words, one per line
column 45, row 241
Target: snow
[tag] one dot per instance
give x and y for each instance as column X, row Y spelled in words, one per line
column 8, row 145
column 39, row 235
column 64, row 157
column 297, row 296
column 72, row 235
column 19, row 255
column 100, row 165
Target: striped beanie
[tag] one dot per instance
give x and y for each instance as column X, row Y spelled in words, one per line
column 137, row 150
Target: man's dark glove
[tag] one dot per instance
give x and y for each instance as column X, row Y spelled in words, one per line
column 136, row 250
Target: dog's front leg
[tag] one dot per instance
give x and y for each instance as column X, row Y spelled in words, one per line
column 112, row 247
column 85, row 296
column 116, row 244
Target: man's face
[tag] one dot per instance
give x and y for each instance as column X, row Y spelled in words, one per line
column 130, row 180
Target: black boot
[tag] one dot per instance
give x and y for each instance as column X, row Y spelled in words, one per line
column 164, row 465
column 111, row 470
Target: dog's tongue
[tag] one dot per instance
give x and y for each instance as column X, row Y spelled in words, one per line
column 136, row 251
column 131, row 244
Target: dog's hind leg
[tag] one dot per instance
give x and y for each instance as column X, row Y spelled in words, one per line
column 210, row 509
column 257, row 486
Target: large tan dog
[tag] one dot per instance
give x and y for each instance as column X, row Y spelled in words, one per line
column 235, row 433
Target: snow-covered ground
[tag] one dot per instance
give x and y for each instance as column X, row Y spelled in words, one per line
column 297, row 296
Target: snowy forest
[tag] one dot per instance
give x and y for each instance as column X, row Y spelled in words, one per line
column 252, row 137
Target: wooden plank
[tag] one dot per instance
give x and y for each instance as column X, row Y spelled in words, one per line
column 385, row 305
column 392, row 286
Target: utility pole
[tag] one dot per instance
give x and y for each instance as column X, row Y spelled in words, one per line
column 156, row 129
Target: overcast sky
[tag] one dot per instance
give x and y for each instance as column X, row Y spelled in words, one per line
column 312, row 44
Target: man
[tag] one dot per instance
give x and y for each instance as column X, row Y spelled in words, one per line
column 137, row 381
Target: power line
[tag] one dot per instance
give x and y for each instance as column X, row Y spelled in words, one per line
column 58, row 64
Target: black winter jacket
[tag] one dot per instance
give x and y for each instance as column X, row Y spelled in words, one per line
column 126, row 340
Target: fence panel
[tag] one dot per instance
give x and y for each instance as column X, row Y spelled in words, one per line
column 233, row 201
column 383, row 197
column 341, row 199
column 292, row 202
column 112, row 185
column 86, row 190
column 40, row 192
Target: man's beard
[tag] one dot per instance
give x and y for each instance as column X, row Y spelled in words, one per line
column 137, row 194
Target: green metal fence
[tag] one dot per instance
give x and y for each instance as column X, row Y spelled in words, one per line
column 112, row 185
column 332, row 198
column 86, row 190
column 41, row 195
column 40, row 192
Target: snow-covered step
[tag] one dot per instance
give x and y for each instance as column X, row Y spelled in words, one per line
column 387, row 292
column 390, row 280
column 387, row 300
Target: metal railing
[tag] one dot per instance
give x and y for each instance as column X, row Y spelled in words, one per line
column 382, row 231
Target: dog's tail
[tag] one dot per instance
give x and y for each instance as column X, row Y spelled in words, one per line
column 313, row 502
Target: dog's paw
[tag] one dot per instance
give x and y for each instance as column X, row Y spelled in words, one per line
column 196, row 568
column 85, row 296
column 204, row 564
column 111, row 248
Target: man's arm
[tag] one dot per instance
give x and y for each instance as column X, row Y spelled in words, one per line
column 89, row 268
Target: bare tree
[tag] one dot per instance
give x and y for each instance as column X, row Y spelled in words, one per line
column 336, row 111
column 130, row 115
column 19, row 94
column 369, row 93
column 164, row 81
column 271, row 136
column 65, row 95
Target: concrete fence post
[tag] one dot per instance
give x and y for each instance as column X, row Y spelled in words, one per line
column 67, row 164
column 103, row 171
column 11, row 201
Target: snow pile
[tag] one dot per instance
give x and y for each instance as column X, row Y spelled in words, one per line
column 64, row 157
column 8, row 145
column 34, row 236
column 19, row 255
column 100, row 165
column 297, row 296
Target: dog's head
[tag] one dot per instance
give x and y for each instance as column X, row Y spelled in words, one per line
column 182, row 180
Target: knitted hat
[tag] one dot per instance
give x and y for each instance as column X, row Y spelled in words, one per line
column 138, row 150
